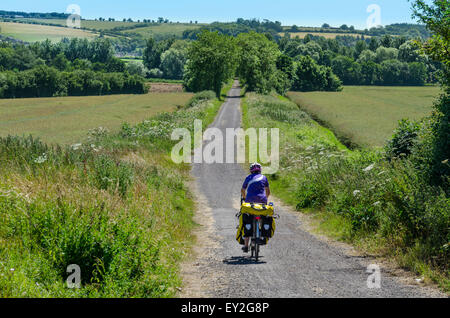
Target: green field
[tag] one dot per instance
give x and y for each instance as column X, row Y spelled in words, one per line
column 90, row 24
column 367, row 115
column 68, row 119
column 176, row 29
column 327, row 35
column 34, row 32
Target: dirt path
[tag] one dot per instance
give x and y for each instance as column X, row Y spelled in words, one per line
column 294, row 264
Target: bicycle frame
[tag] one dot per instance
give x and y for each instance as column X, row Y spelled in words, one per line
column 256, row 238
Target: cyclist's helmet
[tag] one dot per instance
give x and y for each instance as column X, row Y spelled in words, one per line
column 255, row 168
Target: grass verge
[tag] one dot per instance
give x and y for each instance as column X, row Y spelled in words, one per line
column 115, row 205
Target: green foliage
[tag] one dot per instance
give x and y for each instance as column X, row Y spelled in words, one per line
column 153, row 51
column 378, row 61
column 111, row 175
column 257, row 62
column 172, row 63
column 44, row 81
column 436, row 16
column 403, row 140
column 201, row 96
column 309, row 76
column 211, row 62
column 100, row 205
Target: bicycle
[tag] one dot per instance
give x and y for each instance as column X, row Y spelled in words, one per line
column 257, row 240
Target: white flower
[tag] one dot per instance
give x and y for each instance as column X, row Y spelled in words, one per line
column 369, row 168
column 377, row 203
column 41, row 159
column 76, row 146
column 356, row 192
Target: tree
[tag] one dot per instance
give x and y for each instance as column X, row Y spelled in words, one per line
column 211, row 62
column 60, row 62
column 359, row 47
column 417, row 73
column 436, row 16
column 149, row 56
column 257, row 62
column 393, row 72
column 409, row 52
column 370, row 73
column 384, row 53
column 153, row 51
column 348, row 71
column 172, row 63
column 309, row 76
column 367, row 56
column 325, row 25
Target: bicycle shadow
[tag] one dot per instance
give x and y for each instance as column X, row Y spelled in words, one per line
column 242, row 260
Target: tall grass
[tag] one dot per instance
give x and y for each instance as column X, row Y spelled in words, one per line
column 384, row 206
column 115, row 205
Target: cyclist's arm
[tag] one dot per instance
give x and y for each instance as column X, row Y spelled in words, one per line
column 242, row 193
column 267, row 192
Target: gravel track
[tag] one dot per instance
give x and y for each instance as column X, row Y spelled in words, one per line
column 295, row 263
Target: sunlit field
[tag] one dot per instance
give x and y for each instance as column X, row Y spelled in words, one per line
column 34, row 32
column 68, row 119
column 367, row 115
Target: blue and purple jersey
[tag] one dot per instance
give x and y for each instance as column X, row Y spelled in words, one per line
column 255, row 185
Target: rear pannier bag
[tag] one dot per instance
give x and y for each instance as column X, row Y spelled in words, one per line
column 268, row 227
column 245, row 227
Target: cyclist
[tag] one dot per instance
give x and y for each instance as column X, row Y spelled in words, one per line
column 255, row 190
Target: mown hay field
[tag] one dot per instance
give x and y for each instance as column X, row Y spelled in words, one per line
column 34, row 32
column 68, row 119
column 301, row 35
column 367, row 115
column 176, row 29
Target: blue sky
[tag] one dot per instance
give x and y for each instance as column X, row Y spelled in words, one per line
column 299, row 12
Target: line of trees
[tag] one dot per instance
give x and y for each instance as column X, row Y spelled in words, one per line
column 215, row 58
column 375, row 61
column 45, row 81
column 166, row 58
column 71, row 67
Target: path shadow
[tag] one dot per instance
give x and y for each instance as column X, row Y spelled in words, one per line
column 242, row 260
column 231, row 97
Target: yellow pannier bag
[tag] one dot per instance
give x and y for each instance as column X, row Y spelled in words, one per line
column 252, row 209
column 257, row 209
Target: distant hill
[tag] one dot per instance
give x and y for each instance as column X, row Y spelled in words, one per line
column 19, row 14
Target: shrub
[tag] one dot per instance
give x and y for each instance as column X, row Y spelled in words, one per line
column 111, row 175
column 309, row 76
column 201, row 96
column 403, row 140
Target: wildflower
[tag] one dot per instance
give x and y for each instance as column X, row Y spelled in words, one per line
column 356, row 192
column 41, row 159
column 76, row 146
column 377, row 203
column 369, row 168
